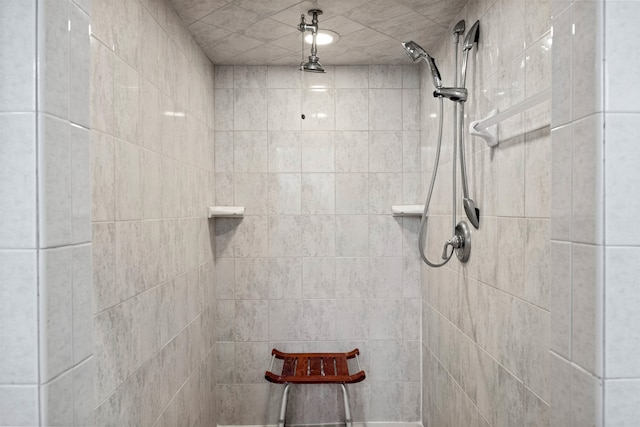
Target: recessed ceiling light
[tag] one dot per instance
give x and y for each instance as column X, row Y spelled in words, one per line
column 323, row 37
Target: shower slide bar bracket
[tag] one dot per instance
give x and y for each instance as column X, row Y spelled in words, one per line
column 487, row 128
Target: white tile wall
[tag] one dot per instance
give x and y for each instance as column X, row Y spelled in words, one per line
column 487, row 326
column 47, row 327
column 152, row 176
column 590, row 68
column 319, row 261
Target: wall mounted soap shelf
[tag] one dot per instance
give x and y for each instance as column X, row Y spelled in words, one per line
column 226, row 211
column 407, row 210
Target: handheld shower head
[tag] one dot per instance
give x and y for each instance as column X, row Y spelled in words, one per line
column 415, row 52
column 472, row 36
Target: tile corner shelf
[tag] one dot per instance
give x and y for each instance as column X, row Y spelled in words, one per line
column 407, row 210
column 226, row 211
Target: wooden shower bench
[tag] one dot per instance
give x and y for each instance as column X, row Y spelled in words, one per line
column 314, row 368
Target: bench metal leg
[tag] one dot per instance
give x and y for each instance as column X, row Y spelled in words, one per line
column 283, row 406
column 347, row 410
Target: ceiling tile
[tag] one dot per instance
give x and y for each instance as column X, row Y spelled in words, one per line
column 341, row 25
column 377, row 12
column 205, row 34
column 268, row 29
column 231, row 17
column 260, row 32
column 236, row 43
column 266, row 8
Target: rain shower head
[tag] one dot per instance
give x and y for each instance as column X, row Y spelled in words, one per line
column 472, row 36
column 415, row 52
column 313, row 65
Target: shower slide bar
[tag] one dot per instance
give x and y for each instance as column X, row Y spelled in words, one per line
column 487, row 127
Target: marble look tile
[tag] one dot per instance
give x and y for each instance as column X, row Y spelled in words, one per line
column 352, row 77
column 283, row 77
column 318, row 277
column 254, row 77
column 223, row 77
column 285, row 318
column 587, row 58
column 250, row 151
column 250, row 109
column 352, row 193
column 284, row 193
column 621, row 401
column 586, row 398
column 54, row 184
column 621, row 339
column 223, row 110
column 510, row 270
column 53, row 58
column 587, row 182
column 19, row 404
column 249, row 357
column 151, row 164
column 352, row 151
column 251, row 278
column 385, row 236
column 621, row 199
column 538, row 176
column 499, row 407
column 318, row 320
column 411, row 321
column 284, row 106
column 128, row 256
column 318, row 151
column 318, row 193
column 385, row 190
column 18, row 56
column 19, row 308
column 349, row 324
column 128, row 204
column 79, row 66
column 511, row 178
column 411, row 109
column 383, row 360
column 385, row 109
column 250, row 191
column 385, row 76
column 385, row 319
column 587, row 307
column 318, row 235
column 150, row 120
column 18, row 173
column 285, row 278
column 251, row 320
column 411, row 151
column 126, row 93
column 385, row 151
column 83, row 297
column 385, row 277
column 56, row 400
column 561, row 187
column 318, row 106
column 536, row 268
column 562, row 87
column 284, row 236
column 284, row 152
column 352, row 235
column 352, row 278
column 352, row 111
column 410, row 77
column 560, row 297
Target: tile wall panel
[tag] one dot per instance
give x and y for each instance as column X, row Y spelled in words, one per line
column 486, row 324
column 152, row 158
column 45, row 237
column 318, row 262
